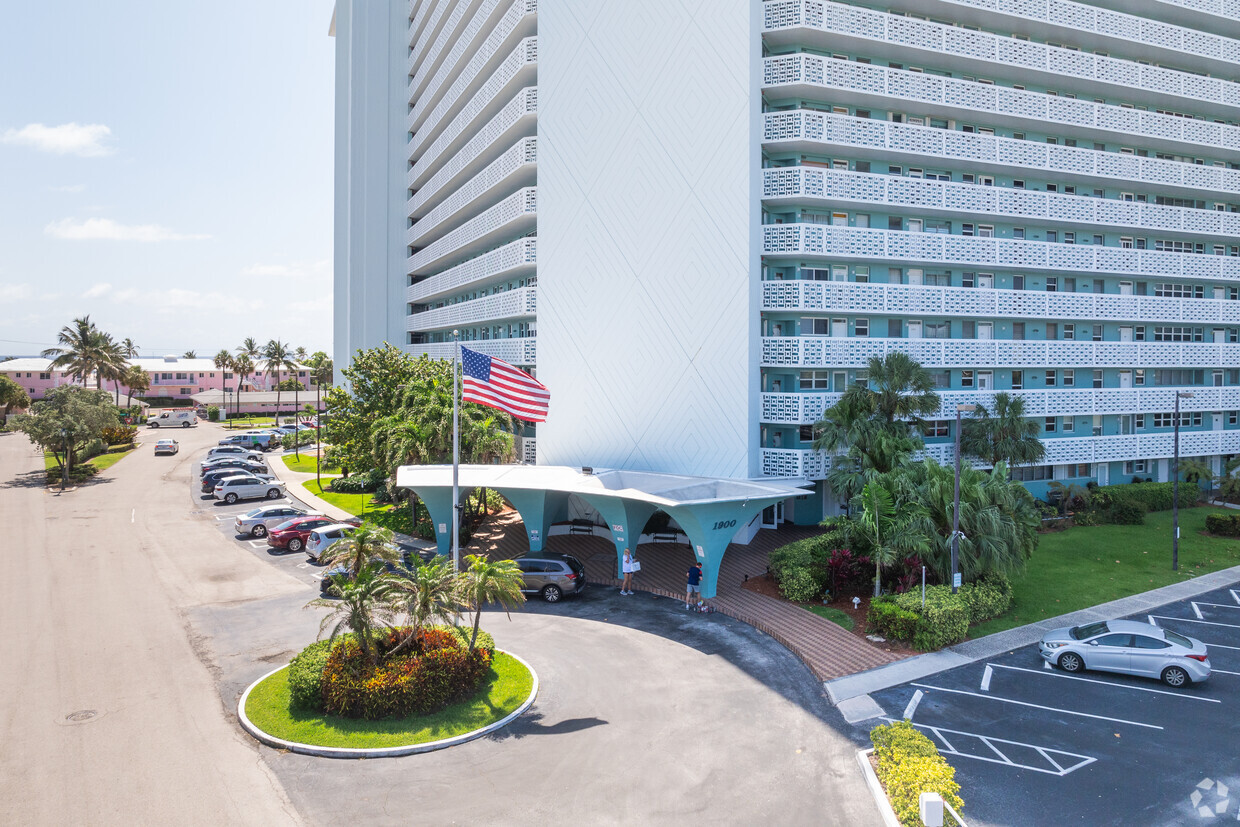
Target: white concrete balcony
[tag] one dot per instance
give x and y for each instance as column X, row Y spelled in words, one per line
column 807, row 408
column 471, row 60
column 794, row 462
column 512, row 170
column 801, row 130
column 840, row 27
column 517, row 118
column 1203, row 13
column 521, row 303
column 514, row 260
column 841, row 297
column 527, row 450
column 427, row 47
column 790, row 186
column 518, row 69
column 853, row 352
column 852, row 243
column 521, row 352
column 425, row 22
column 425, row 62
column 807, row 76
column 515, row 215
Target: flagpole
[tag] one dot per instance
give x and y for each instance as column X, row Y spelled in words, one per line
column 456, row 455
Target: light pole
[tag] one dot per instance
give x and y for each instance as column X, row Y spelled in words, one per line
column 1175, row 485
column 956, row 502
column 64, row 468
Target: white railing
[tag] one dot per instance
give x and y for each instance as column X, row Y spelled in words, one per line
column 889, row 138
column 907, row 299
column 806, row 408
column 1223, row 8
column 793, row 240
column 524, row 105
column 523, row 154
column 422, row 62
column 421, row 73
column 511, row 304
column 524, row 56
column 520, row 207
column 424, row 35
column 853, row 352
column 809, row 183
column 954, row 94
column 527, row 450
column 799, row 462
column 513, row 258
column 512, row 351
column 937, row 38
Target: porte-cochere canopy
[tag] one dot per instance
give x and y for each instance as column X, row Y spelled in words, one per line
column 710, row 511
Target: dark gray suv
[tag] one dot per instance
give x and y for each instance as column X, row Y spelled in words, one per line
column 552, row 575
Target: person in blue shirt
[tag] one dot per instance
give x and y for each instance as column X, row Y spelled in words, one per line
column 694, row 586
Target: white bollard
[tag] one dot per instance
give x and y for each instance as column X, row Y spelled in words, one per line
column 930, row 806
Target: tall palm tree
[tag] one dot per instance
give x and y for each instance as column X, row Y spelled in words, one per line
column 129, row 349
column 275, row 359
column 113, row 366
column 430, row 592
column 321, row 370
column 885, row 526
column 300, row 354
column 362, row 608
column 136, row 379
column 369, row 543
column 243, row 366
column 83, row 349
column 487, row 581
column 868, row 446
column 249, row 347
column 223, row 361
column 899, row 388
column 1002, row 434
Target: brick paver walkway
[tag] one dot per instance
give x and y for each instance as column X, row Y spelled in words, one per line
column 828, row 650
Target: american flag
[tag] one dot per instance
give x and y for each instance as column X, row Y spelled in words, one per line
column 494, row 382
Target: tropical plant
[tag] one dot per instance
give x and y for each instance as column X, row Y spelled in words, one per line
column 898, row 387
column 1198, row 473
column 128, row 349
column 869, row 446
column 84, row 351
column 136, row 381
column 489, row 581
column 1002, row 433
column 12, row 395
column 113, row 367
column 67, row 419
column 190, row 354
column 369, row 543
column 363, row 606
column 249, row 347
column 275, row 359
column 300, row 354
column 242, row 367
column 885, row 526
column 1229, row 481
column 431, row 592
column 1068, row 494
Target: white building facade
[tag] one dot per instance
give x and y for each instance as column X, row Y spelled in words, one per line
column 695, row 221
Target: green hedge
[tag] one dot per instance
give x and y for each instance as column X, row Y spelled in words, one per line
column 908, row 765
column 800, row 568
column 1155, row 496
column 946, row 617
column 1225, row 525
column 1128, row 512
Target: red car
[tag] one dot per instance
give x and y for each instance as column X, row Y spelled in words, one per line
column 292, row 534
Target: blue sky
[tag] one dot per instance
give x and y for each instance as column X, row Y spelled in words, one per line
column 166, row 167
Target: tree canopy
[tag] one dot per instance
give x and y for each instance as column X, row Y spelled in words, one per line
column 67, row 418
column 1002, row 434
column 12, row 395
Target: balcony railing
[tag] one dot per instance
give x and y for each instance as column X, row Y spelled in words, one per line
column 795, row 462
column 512, row 216
column 809, row 184
column 514, row 166
column 513, row 351
column 796, row 240
column 806, row 408
column 527, row 450
column 511, row 304
column 518, row 115
column 515, row 259
column 886, row 139
column 436, row 36
column 421, row 32
column 854, row 352
column 950, row 95
column 1018, row 55
column 906, row 299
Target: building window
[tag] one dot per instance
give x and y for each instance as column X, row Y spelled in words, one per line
column 1076, row 471
column 861, row 327
column 1018, row 282
column 1050, row 379
column 1069, row 377
column 1069, row 424
column 1097, row 333
column 1069, row 330
column 1018, row 380
column 815, row 380
column 1138, row 376
column 1018, row 331
column 1052, row 284
column 937, row 428
column 1176, row 333
column 1033, row 473
column 1136, row 466
column 1097, row 378
column 966, row 378
column 1048, row 425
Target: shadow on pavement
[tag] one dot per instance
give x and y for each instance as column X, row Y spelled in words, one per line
column 531, row 724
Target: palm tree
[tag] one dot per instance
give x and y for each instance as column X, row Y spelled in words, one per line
column 276, row 358
column 321, row 370
column 300, row 354
column 431, row 592
column 1229, row 482
column 1067, row 493
column 83, row 350
column 885, row 527
column 487, row 581
column 190, row 354
column 899, row 388
column 223, row 361
column 129, row 349
column 136, row 379
column 242, row 366
column 113, row 366
column 1002, row 434
column 1196, row 471
column 869, row 446
column 369, row 543
column 363, row 606
column 249, row 347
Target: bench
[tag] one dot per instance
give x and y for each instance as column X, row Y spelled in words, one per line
column 666, row 537
column 581, row 529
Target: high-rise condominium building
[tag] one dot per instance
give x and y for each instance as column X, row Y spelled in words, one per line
column 697, row 219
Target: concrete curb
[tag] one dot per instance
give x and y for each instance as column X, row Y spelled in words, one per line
column 386, row 752
column 876, row 789
column 970, row 651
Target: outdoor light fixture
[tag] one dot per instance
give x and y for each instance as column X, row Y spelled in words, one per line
column 1175, row 485
column 587, row 470
column 956, row 501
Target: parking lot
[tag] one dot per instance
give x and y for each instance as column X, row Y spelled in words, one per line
column 1034, row 745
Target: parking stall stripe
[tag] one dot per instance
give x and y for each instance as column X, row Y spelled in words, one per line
column 990, row 741
column 1217, row 605
column 1234, row 596
column 1214, row 671
column 1037, row 706
column 1190, row 620
column 1196, row 610
column 1104, row 683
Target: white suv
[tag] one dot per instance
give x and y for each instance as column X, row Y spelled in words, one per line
column 321, row 539
column 231, row 489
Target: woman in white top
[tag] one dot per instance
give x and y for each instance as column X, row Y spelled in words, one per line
column 627, row 587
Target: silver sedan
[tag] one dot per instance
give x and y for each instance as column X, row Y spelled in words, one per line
column 256, row 523
column 1128, row 647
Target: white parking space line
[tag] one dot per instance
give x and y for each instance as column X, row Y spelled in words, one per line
column 1190, row 620
column 912, row 705
column 256, row 543
column 1196, row 610
column 1214, row 671
column 1234, row 596
column 224, row 516
column 986, row 676
column 996, row 746
column 133, row 512
column 1217, row 605
column 1104, row 683
column 1220, row 646
column 1037, row 706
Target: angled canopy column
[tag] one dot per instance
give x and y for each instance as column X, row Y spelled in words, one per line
column 625, row 517
column 438, row 501
column 539, row 508
column 710, row 527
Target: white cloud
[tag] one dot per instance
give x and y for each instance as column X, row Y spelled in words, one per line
column 93, row 229
column 85, row 140
column 295, row 269
column 98, row 290
column 322, row 304
column 69, row 188
column 14, row 292
column 178, row 300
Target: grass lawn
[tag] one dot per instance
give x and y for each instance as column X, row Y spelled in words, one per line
column 1085, row 566
column 508, row 685
column 392, row 517
column 250, row 422
column 836, row 616
column 307, row 464
column 103, row 462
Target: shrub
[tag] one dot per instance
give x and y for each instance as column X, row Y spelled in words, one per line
column 92, row 448
column 1090, row 517
column 351, row 485
column 213, row 413
column 1128, row 512
column 299, row 438
column 943, row 621
column 1155, row 496
column 986, row 598
column 120, row 435
column 908, row 765
column 1226, row 525
column 305, row 675
column 800, row 585
column 81, row 471
column 891, row 621
column 802, row 567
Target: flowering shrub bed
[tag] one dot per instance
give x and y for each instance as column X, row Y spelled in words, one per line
column 909, row 764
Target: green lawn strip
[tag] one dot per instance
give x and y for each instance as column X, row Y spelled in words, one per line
column 103, row 462
column 250, row 422
column 307, row 464
column 508, row 685
column 836, row 616
column 1085, row 566
column 394, row 517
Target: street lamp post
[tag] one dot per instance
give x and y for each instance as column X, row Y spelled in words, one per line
column 64, row 468
column 956, row 502
column 1175, row 485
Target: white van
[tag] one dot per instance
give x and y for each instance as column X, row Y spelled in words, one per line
column 173, row 419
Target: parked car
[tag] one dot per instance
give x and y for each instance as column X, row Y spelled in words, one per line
column 235, row 451
column 213, row 479
column 285, row 430
column 254, row 439
column 167, row 446
column 551, row 575
column 258, row 522
column 173, row 419
column 231, row 489
column 292, row 534
column 231, row 462
column 323, row 538
column 408, row 561
column 1128, row 647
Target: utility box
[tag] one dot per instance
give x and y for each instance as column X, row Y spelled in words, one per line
column 931, row 806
